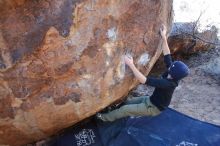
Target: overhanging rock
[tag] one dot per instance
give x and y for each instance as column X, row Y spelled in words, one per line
column 62, row 61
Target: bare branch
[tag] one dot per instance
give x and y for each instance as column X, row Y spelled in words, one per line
column 196, row 23
column 203, row 40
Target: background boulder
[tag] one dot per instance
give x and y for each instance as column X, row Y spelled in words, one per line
column 186, row 39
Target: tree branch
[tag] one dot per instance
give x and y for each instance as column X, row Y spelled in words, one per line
column 201, row 39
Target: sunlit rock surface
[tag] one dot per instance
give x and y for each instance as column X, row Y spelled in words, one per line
column 62, row 61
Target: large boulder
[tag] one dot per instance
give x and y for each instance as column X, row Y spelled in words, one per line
column 62, row 61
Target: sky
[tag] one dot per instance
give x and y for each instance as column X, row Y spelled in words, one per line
column 190, row 10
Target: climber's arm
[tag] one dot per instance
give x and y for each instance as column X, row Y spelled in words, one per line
column 165, row 47
column 137, row 73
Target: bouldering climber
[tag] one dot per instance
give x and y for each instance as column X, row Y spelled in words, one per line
column 164, row 87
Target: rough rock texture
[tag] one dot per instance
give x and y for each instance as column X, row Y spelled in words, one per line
column 185, row 39
column 61, row 61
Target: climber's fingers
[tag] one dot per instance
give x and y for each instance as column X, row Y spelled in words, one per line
column 163, row 30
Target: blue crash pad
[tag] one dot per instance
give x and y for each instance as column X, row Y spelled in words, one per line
column 170, row 128
column 81, row 135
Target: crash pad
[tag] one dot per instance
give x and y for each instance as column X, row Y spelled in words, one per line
column 170, row 128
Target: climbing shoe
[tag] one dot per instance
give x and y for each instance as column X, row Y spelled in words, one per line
column 99, row 116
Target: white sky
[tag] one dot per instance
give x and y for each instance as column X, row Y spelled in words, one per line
column 189, row 10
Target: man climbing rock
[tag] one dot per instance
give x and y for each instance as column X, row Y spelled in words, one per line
column 164, row 87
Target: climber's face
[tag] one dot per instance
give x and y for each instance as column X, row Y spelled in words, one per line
column 169, row 76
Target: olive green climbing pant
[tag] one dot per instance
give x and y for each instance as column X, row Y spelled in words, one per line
column 137, row 106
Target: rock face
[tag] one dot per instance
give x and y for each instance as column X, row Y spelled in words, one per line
column 62, row 61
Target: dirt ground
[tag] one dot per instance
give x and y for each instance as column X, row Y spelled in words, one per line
column 198, row 95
